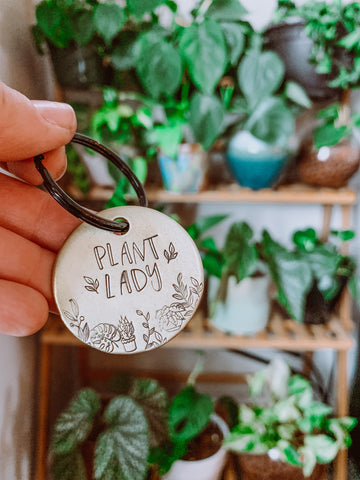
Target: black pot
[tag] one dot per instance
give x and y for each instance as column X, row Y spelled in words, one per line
column 78, row 67
column 290, row 42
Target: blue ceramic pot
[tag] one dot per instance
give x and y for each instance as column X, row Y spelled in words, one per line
column 187, row 172
column 254, row 163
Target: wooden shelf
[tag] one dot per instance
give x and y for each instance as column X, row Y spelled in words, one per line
column 279, row 334
column 295, row 193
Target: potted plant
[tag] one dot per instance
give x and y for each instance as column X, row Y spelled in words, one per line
column 238, row 283
column 194, row 447
column 319, row 43
column 264, row 111
column 330, row 158
column 311, row 277
column 97, row 437
column 284, row 432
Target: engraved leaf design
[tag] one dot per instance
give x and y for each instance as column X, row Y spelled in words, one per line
column 139, row 312
column 167, row 255
column 84, row 333
column 171, row 248
column 145, row 325
column 74, row 307
column 93, row 285
column 69, row 316
column 146, row 338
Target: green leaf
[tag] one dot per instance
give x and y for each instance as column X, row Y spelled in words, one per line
column 203, row 224
column 235, row 40
column 75, row 423
column 167, row 137
column 271, row 122
column 260, row 74
column 189, row 414
column 242, row 442
column 83, row 27
column 298, row 384
column 305, row 239
column 140, row 7
column 163, row 457
column 159, row 65
column 240, row 255
column 202, row 46
column 108, row 20
column 68, row 467
column 226, row 10
column 206, row 117
column 324, row 447
column 153, row 399
column 121, row 451
column 294, row 92
column 308, row 458
column 54, row 23
column 328, row 135
column 292, row 455
column 351, row 40
column 213, row 264
column 123, row 56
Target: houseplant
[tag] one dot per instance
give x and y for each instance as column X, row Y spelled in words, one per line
column 194, row 447
column 311, row 276
column 330, row 157
column 238, row 283
column 264, row 111
column 284, row 424
column 319, row 43
column 98, row 438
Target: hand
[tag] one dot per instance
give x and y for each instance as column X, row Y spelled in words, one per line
column 33, row 226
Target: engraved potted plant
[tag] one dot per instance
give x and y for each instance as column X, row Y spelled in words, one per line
column 127, row 335
column 284, row 430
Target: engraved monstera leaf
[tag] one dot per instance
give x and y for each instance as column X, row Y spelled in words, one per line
column 105, row 337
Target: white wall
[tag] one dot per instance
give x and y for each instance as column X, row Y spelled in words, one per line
column 22, row 69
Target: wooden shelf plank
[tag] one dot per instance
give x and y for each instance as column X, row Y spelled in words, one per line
column 279, row 334
column 296, row 193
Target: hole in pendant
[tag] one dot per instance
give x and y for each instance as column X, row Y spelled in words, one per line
column 127, row 225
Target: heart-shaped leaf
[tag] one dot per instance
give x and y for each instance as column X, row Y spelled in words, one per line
column 109, row 20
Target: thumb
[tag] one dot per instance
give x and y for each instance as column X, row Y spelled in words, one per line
column 28, row 128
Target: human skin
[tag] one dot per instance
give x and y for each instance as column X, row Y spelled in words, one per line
column 33, row 226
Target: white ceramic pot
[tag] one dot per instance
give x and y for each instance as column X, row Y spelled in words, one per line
column 210, row 468
column 247, row 307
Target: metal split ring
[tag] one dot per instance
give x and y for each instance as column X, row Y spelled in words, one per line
column 73, row 207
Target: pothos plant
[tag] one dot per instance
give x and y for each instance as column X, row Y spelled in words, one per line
column 284, row 420
column 311, row 264
column 122, row 431
column 334, row 29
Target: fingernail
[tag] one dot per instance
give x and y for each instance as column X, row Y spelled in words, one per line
column 60, row 114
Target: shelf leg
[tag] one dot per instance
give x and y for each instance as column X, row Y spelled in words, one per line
column 342, row 406
column 43, row 411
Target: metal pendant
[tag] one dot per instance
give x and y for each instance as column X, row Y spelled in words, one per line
column 130, row 292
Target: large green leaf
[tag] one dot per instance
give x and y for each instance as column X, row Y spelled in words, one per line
column 83, row 27
column 206, row 117
column 297, row 94
column 54, row 24
column 75, row 423
column 272, row 122
column 123, row 56
column 159, row 65
column 189, row 414
column 122, row 450
column 327, row 135
column 153, row 399
column 234, row 39
column 202, row 46
column 68, row 467
column 260, row 74
column 109, row 20
column 240, row 255
column 140, row 7
column 226, row 10
column 197, row 229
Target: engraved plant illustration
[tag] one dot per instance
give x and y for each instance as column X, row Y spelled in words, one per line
column 92, row 285
column 76, row 320
column 105, row 337
column 127, row 334
column 171, row 317
column 151, row 332
column 171, row 254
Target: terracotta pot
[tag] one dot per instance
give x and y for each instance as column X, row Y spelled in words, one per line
column 262, row 467
column 329, row 166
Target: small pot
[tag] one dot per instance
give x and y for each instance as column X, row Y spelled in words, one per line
column 210, row 468
column 328, row 166
column 247, row 306
column 186, row 173
column 254, row 163
column 78, row 67
column 262, row 467
column 289, row 40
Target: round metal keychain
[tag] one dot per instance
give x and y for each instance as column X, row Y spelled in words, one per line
column 128, row 279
